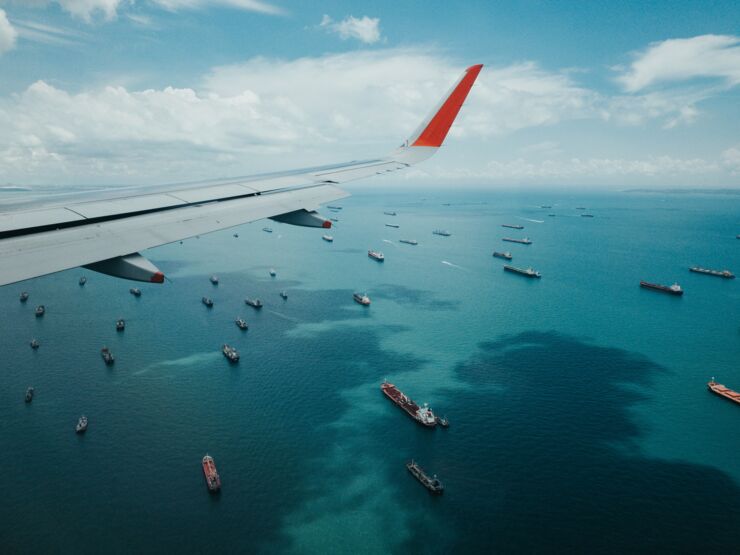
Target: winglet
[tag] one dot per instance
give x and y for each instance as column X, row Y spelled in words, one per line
column 433, row 130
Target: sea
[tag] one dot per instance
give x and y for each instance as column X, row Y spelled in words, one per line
column 580, row 419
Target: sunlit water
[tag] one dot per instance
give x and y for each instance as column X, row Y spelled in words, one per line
column 579, row 412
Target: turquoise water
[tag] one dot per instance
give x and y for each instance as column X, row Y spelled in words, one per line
column 579, row 413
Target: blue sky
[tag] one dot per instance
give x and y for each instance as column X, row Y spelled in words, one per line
column 585, row 93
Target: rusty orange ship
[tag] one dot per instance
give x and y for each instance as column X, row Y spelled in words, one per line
column 723, row 391
column 213, row 481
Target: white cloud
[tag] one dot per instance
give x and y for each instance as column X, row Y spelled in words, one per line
column 8, row 34
column 47, row 34
column 87, row 9
column 731, row 160
column 674, row 60
column 248, row 5
column 365, row 29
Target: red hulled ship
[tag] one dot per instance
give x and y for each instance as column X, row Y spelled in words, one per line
column 423, row 415
column 213, row 481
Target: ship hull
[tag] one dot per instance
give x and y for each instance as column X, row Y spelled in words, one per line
column 406, row 405
column 661, row 288
column 722, row 391
column 715, row 273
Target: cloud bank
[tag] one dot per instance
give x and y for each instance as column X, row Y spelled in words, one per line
column 365, row 29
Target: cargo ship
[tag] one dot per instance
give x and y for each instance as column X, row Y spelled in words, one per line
column 442, row 232
column 328, row 238
column 674, row 289
column 267, row 229
column 364, row 300
column 214, row 280
column 207, row 301
column 81, row 425
column 719, row 273
column 40, row 310
column 24, row 296
column 389, row 213
column 513, row 226
column 254, row 303
column 230, row 352
column 723, row 391
column 135, row 291
column 392, row 225
column 213, row 480
column 82, row 281
column 376, row 255
column 29, row 395
column 506, row 255
column 409, row 241
column 35, row 343
column 107, row 356
column 525, row 241
column 334, row 207
column 432, row 484
column 587, row 215
column 423, row 415
column 241, row 324
column 120, row 324
column 529, row 272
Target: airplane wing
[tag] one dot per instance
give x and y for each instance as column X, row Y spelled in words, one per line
column 107, row 232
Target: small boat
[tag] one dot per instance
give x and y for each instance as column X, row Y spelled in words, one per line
column 392, row 225
column 432, row 484
column 513, row 226
column 442, row 232
column 267, row 229
column 506, row 255
column 409, row 241
column 255, row 303
column 236, row 235
column 207, row 301
column 362, row 299
column 35, row 343
column 230, row 352
column 545, row 206
column 674, row 289
column 580, row 207
column 551, row 215
column 376, row 255
column 213, row 480
column 107, row 356
column 120, row 324
column 525, row 241
column 272, row 272
column 24, row 297
column 83, row 280
column 135, row 291
column 284, row 295
column 214, row 280
column 334, row 207
column 442, row 421
column 587, row 215
column 389, row 213
column 529, row 272
column 333, row 220
column 81, row 425
column 29, row 395
column 328, row 238
column 40, row 310
column 241, row 324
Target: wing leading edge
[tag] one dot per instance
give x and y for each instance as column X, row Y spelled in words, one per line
column 107, row 231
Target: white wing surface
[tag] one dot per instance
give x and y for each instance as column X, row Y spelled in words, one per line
column 106, row 232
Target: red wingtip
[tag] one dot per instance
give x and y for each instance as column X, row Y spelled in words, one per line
column 158, row 277
column 326, row 224
column 436, row 130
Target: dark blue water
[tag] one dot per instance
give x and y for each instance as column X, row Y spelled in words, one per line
column 579, row 414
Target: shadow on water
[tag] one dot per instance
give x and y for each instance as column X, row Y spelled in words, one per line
column 534, row 467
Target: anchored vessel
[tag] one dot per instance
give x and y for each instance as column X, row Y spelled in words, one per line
column 135, row 291
column 587, row 215
column 230, row 352
column 513, row 226
column 83, row 280
column 432, row 484
column 362, row 299
column 256, row 303
column 24, row 297
column 545, row 206
column 423, row 415
column 392, row 225
column 719, row 273
column 674, row 289
column 81, row 425
column 442, row 232
column 443, row 422
column 35, row 343
column 334, row 207
column 723, row 391
column 213, row 480
column 214, row 280
column 267, row 229
column 377, row 255
column 525, row 241
column 409, row 241
column 241, row 324
column 328, row 238
column 120, row 324
column 529, row 272
column 40, row 310
column 284, row 295
column 206, row 301
column 389, row 213
column 273, row 273
column 29, row 395
column 107, row 356
column 333, row 220
column 506, row 255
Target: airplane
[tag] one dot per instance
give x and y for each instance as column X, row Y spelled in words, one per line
column 105, row 231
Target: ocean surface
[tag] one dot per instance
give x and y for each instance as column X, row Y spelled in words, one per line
column 580, row 418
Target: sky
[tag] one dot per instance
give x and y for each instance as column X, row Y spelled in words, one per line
column 591, row 94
